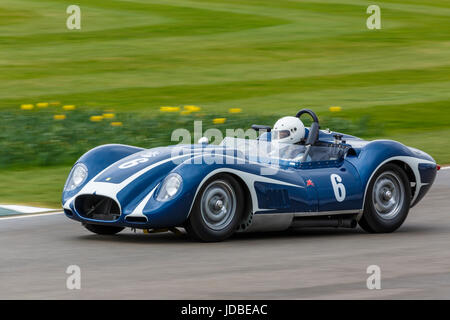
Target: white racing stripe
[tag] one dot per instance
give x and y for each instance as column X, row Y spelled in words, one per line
column 29, row 216
column 111, row 189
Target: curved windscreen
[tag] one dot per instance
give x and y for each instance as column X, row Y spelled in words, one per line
column 260, row 150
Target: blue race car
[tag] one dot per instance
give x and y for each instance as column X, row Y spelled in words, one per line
column 289, row 177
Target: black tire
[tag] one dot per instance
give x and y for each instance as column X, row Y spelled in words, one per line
column 376, row 217
column 103, row 230
column 199, row 226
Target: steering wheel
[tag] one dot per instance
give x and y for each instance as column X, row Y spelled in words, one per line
column 314, row 129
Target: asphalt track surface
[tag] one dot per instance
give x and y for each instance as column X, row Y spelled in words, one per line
column 307, row 264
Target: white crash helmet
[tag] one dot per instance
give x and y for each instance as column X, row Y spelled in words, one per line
column 288, row 130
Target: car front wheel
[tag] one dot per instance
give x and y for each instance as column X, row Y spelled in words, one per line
column 387, row 200
column 217, row 209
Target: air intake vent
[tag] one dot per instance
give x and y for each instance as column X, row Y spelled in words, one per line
column 136, row 219
column 97, row 207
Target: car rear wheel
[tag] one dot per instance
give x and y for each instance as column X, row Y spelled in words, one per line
column 217, row 209
column 103, row 230
column 387, row 200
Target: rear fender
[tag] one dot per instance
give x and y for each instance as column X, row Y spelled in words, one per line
column 380, row 152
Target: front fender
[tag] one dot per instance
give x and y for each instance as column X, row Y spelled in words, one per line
column 176, row 211
column 100, row 158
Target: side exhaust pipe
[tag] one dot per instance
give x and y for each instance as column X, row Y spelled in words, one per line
column 325, row 222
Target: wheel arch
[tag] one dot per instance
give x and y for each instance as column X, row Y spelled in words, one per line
column 405, row 163
column 250, row 198
column 409, row 173
column 248, row 206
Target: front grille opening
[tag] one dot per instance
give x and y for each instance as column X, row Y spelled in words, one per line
column 97, row 207
column 136, row 219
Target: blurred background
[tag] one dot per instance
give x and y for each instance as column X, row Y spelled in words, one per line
column 138, row 69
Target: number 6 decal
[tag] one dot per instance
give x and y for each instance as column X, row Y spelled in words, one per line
column 338, row 187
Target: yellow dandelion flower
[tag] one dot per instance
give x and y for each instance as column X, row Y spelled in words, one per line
column 69, row 107
column 335, row 109
column 117, row 124
column 235, row 110
column 59, row 116
column 192, row 108
column 219, row 120
column 96, row 118
column 42, row 104
column 27, row 107
column 185, row 112
column 109, row 115
column 55, row 103
column 169, row 109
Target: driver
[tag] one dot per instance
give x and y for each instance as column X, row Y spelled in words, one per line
column 287, row 132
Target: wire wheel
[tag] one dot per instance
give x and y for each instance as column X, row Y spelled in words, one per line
column 388, row 195
column 218, row 205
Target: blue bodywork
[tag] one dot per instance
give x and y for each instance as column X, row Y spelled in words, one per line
column 119, row 172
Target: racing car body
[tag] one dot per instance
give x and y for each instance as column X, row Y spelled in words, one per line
column 328, row 180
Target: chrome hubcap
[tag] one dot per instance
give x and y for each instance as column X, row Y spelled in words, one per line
column 218, row 205
column 388, row 195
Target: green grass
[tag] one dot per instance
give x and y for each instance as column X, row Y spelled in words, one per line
column 33, row 186
column 48, row 141
column 267, row 57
